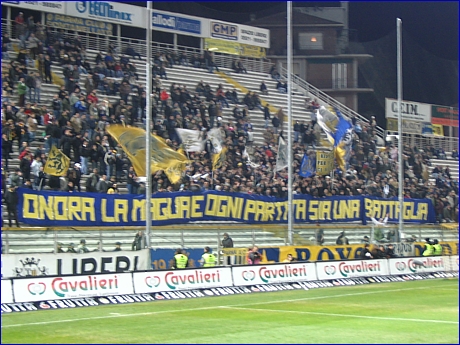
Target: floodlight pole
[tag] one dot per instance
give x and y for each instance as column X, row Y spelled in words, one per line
column 148, row 117
column 290, row 207
column 400, row 146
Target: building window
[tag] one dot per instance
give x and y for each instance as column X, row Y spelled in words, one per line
column 310, row 41
column 339, row 75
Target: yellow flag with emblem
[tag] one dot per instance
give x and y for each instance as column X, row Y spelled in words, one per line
column 57, row 163
column 132, row 140
column 219, row 158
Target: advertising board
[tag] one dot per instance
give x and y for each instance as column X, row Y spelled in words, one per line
column 271, row 274
column 26, row 265
column 351, row 269
column 50, row 288
column 206, row 278
column 417, row 265
column 45, row 6
column 412, row 111
column 177, row 23
column 79, row 24
column 108, row 11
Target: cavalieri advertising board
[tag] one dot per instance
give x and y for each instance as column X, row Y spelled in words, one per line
column 351, row 269
column 39, row 289
column 156, row 281
column 271, row 274
column 417, row 265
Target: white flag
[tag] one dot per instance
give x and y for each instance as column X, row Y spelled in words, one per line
column 216, row 137
column 326, row 129
column 282, row 157
column 192, row 139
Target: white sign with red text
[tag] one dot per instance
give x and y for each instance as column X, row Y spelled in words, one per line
column 7, row 291
column 39, row 289
column 271, row 274
column 351, row 269
column 419, row 264
column 174, row 280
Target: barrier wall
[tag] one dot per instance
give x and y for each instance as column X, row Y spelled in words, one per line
column 24, row 294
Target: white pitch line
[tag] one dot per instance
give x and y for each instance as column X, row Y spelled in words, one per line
column 342, row 315
column 207, row 308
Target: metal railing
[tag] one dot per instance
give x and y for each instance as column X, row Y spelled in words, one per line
column 422, row 141
column 45, row 240
column 101, row 43
column 326, row 99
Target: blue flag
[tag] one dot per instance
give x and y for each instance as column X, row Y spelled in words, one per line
column 307, row 167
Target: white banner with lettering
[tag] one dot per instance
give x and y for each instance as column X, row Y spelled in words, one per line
column 39, row 289
column 108, row 11
column 351, row 269
column 414, row 111
column 205, row 278
column 271, row 274
column 418, row 265
column 46, row 6
column 30, row 265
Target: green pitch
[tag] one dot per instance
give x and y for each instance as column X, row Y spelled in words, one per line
column 408, row 312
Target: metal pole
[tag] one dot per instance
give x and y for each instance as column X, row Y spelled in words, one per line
column 289, row 136
column 148, row 110
column 400, row 147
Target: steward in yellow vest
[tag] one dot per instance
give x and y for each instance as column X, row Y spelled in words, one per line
column 208, row 259
column 428, row 248
column 437, row 248
column 180, row 260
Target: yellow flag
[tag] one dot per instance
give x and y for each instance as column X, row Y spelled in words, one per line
column 132, row 140
column 219, row 158
column 57, row 163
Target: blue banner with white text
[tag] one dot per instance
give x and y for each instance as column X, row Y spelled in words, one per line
column 47, row 208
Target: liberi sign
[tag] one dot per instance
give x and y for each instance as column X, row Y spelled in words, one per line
column 351, row 269
column 271, row 274
column 39, row 289
column 156, row 281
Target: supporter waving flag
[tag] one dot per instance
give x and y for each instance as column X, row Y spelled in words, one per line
column 57, row 163
column 307, row 166
column 132, row 140
column 282, row 157
column 218, row 158
column 191, row 139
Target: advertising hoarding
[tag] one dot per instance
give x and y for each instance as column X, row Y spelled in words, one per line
column 271, row 274
column 173, row 280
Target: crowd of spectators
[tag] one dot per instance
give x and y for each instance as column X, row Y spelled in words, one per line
column 77, row 118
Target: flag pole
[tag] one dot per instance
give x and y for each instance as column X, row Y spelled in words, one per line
column 290, row 208
column 148, row 111
column 400, row 140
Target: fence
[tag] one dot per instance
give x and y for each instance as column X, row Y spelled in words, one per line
column 197, row 236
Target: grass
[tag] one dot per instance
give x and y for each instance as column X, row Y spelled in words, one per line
column 424, row 311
